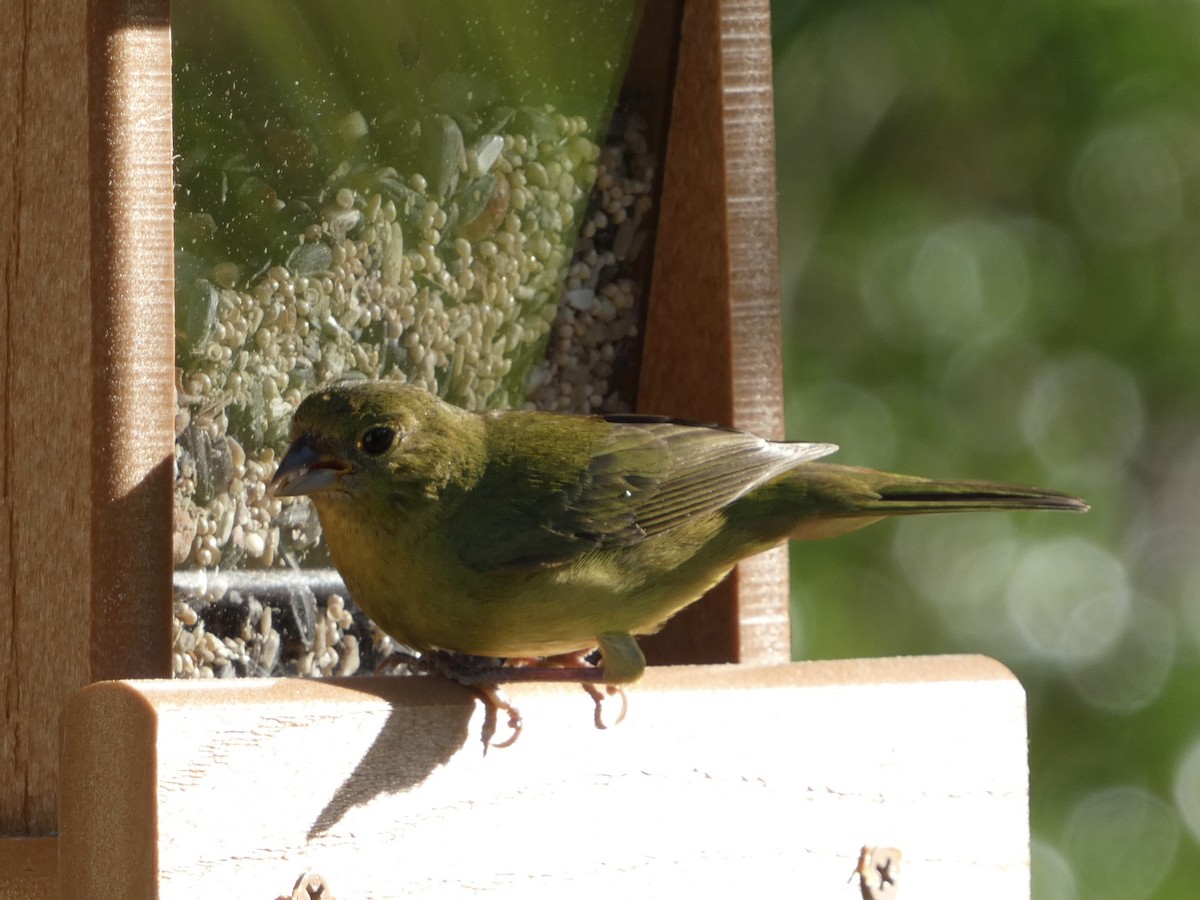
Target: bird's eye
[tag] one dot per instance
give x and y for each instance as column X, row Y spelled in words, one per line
column 378, row 440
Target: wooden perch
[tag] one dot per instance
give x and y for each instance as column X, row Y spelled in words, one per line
column 723, row 780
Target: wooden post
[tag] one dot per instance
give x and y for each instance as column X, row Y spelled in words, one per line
column 86, row 364
column 133, row 340
column 712, row 343
column 45, row 398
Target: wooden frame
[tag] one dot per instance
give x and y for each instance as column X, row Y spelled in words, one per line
column 85, row 463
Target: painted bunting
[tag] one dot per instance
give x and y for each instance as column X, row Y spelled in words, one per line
column 521, row 534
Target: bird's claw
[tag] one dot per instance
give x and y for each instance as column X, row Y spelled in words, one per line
column 599, row 696
column 495, row 700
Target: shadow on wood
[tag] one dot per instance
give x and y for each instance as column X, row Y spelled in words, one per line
column 721, row 779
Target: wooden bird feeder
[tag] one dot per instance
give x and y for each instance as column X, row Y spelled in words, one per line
column 856, row 778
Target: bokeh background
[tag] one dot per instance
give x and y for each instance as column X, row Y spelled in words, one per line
column 990, row 222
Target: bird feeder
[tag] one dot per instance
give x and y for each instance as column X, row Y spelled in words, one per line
column 837, row 776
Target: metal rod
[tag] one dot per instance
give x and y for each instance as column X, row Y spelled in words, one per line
column 264, row 583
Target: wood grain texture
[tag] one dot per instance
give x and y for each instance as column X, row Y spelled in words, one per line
column 45, row 397
column 85, row 372
column 28, row 868
column 133, row 330
column 722, row 781
column 712, row 339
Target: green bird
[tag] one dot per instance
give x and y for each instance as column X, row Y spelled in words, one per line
column 531, row 535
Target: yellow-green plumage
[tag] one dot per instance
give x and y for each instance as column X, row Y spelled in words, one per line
column 529, row 534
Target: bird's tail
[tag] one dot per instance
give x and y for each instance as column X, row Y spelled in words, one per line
column 915, row 497
column 850, row 498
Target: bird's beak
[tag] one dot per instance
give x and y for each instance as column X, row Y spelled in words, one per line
column 306, row 470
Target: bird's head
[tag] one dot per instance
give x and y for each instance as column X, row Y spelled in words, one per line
column 377, row 439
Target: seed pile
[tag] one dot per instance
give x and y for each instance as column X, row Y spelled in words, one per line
column 597, row 324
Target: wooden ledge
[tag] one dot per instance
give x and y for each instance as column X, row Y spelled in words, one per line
column 722, row 778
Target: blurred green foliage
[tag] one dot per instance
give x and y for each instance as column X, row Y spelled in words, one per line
column 990, row 216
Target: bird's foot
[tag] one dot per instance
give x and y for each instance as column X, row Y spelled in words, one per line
column 471, row 672
column 494, row 702
column 599, row 696
column 466, row 671
column 578, row 667
column 484, row 675
column 571, row 667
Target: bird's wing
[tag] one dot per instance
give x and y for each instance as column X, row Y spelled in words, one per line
column 646, row 475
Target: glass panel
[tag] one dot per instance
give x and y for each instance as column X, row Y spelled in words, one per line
column 384, row 190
